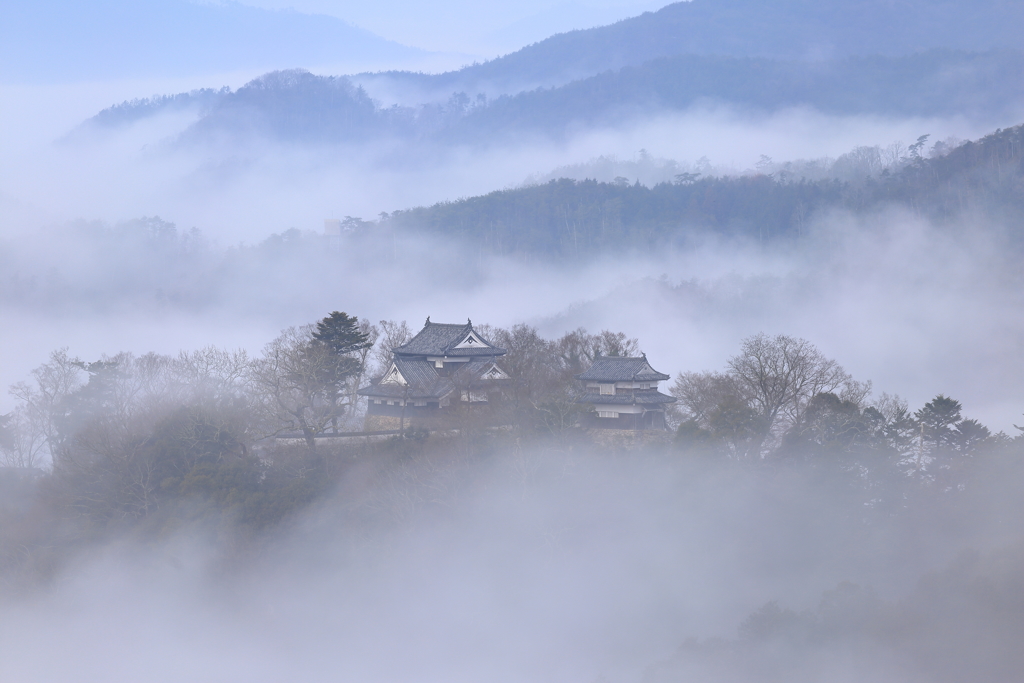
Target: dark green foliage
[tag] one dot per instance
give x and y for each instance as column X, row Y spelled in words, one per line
column 938, row 419
column 832, row 426
column 192, row 468
column 943, row 429
column 694, row 439
column 569, row 219
column 341, row 334
column 735, row 422
column 578, row 219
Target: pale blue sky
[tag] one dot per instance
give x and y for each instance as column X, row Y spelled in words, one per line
column 62, row 41
column 484, row 28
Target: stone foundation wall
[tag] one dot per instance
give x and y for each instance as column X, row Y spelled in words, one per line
column 381, row 423
column 628, row 438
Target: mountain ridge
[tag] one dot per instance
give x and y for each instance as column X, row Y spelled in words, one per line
column 570, row 219
column 299, row 106
column 786, row 29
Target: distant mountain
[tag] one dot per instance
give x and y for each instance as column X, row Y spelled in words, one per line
column 60, row 41
column 933, row 83
column 780, row 29
column 301, row 107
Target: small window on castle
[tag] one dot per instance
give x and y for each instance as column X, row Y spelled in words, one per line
column 607, row 388
column 607, row 413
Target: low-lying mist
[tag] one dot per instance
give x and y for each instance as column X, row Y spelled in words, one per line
column 464, row 560
column 248, row 187
column 918, row 309
column 476, row 557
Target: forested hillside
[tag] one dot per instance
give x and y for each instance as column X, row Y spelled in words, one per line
column 928, row 83
column 792, row 29
column 572, row 219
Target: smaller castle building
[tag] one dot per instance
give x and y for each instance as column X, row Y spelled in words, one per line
column 624, row 394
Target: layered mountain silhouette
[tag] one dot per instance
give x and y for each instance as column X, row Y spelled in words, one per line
column 781, row 29
column 908, row 58
column 298, row 106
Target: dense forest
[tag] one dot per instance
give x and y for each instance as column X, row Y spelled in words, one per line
column 573, row 219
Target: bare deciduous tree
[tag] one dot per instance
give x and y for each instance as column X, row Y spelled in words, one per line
column 40, row 402
column 779, row 375
column 289, row 386
column 576, row 350
column 392, row 334
column 700, row 393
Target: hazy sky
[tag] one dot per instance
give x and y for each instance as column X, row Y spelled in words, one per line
column 483, row 29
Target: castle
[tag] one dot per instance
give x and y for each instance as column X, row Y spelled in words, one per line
column 442, row 364
column 452, row 365
column 624, row 394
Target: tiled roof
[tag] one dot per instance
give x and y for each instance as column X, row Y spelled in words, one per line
column 470, row 373
column 621, row 369
column 641, row 398
column 439, row 339
column 425, row 383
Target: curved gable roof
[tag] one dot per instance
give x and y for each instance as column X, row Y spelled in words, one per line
column 441, row 339
column 621, row 369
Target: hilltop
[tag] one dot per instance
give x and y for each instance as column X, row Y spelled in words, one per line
column 299, row 106
column 566, row 218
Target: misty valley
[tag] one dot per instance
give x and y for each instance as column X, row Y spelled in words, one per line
column 226, row 469
column 585, row 342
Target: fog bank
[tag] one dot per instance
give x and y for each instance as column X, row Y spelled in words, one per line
column 462, row 565
column 244, row 192
column 917, row 309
